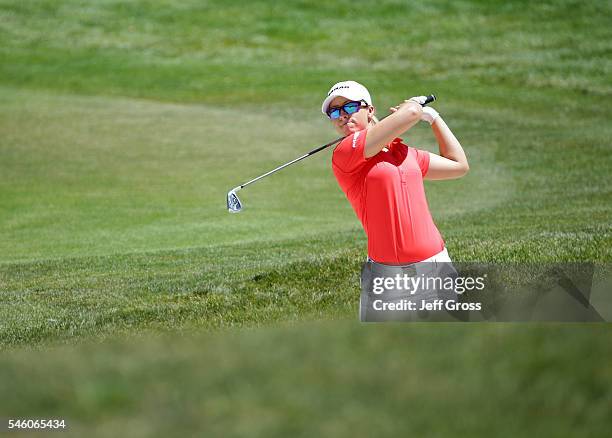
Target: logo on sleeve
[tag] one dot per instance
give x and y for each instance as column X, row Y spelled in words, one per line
column 355, row 137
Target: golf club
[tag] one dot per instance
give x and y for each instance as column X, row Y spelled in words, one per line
column 233, row 202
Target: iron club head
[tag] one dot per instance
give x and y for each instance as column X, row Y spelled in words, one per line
column 233, row 203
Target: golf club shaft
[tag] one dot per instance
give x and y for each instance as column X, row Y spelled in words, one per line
column 314, row 151
column 429, row 99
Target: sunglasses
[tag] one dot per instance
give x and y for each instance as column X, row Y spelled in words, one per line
column 349, row 108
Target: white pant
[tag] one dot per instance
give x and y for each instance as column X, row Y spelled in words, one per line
column 441, row 257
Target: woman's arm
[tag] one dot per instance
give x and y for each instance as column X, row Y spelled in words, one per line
column 452, row 162
column 404, row 117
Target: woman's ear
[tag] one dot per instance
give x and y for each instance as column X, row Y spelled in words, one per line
column 371, row 112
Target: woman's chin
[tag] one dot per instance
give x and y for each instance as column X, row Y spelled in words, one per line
column 349, row 128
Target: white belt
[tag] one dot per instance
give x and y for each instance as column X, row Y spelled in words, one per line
column 442, row 257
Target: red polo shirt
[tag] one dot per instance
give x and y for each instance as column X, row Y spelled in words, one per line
column 387, row 194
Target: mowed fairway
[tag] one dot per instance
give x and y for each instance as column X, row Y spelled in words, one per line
column 124, row 124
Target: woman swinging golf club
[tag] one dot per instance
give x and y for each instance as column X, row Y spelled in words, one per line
column 383, row 180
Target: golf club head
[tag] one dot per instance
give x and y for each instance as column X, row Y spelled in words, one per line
column 233, row 203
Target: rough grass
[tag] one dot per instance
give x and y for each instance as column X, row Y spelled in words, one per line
column 340, row 379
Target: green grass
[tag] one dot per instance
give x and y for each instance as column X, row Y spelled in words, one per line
column 334, row 379
column 124, row 124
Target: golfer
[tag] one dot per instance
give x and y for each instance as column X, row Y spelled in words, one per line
column 382, row 177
